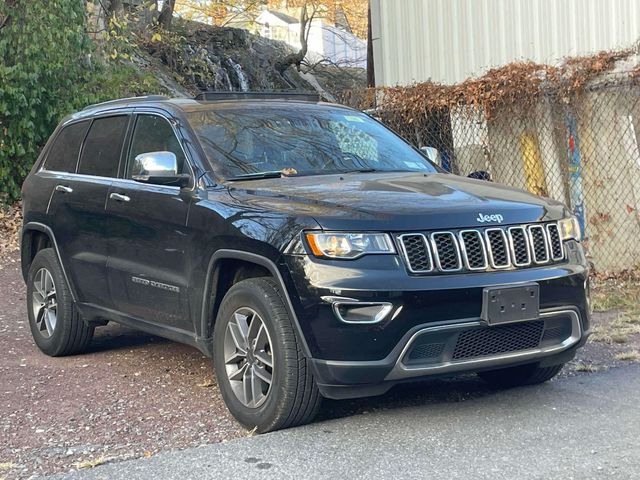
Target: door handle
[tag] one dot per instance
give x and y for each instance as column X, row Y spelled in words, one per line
column 63, row 189
column 119, row 197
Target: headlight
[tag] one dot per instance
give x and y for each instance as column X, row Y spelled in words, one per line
column 349, row 245
column 569, row 229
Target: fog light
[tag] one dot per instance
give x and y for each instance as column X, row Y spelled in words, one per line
column 350, row 310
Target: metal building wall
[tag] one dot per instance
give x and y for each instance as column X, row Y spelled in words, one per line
column 450, row 40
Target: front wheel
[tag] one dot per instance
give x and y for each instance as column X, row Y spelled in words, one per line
column 264, row 377
column 530, row 374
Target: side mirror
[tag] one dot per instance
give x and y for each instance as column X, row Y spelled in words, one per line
column 432, row 154
column 480, row 175
column 158, row 168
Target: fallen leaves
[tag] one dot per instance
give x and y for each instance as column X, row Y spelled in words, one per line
column 10, row 225
column 631, row 356
column 207, row 383
column 91, row 463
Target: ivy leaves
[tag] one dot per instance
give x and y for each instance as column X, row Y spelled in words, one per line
column 43, row 46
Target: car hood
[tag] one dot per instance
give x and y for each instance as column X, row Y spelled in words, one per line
column 397, row 201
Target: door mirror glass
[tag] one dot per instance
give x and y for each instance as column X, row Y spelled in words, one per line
column 432, row 154
column 160, row 168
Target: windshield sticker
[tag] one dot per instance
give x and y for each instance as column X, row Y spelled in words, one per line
column 353, row 118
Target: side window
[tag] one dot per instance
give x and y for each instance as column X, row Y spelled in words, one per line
column 102, row 147
column 64, row 152
column 154, row 134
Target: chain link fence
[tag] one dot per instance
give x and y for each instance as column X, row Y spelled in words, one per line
column 582, row 150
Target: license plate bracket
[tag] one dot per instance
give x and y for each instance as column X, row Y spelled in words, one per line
column 510, row 304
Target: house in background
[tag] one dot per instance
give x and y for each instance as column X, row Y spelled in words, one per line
column 447, row 41
column 328, row 43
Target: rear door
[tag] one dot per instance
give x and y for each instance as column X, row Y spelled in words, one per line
column 148, row 266
column 77, row 205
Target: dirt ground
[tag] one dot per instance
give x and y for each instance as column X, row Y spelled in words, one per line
column 134, row 395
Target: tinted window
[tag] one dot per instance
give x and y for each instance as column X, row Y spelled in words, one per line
column 303, row 140
column 101, row 151
column 64, row 152
column 154, row 134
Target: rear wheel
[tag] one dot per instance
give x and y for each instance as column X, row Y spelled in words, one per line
column 530, row 374
column 263, row 375
column 56, row 327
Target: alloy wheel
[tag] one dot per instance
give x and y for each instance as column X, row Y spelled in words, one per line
column 44, row 303
column 248, row 357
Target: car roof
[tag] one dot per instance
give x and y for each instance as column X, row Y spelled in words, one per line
column 206, row 101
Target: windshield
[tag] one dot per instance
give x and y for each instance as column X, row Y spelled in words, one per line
column 300, row 140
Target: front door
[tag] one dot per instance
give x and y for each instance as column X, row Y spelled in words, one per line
column 147, row 266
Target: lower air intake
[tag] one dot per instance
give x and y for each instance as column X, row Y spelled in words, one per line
column 499, row 339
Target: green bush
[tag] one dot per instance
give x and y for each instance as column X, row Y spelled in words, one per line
column 44, row 50
column 47, row 70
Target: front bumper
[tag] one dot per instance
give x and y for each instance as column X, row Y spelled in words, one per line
column 341, row 380
column 353, row 360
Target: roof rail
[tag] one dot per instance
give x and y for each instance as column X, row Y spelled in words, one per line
column 128, row 100
column 266, row 95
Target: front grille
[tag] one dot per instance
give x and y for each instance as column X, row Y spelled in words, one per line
column 554, row 241
column 539, row 242
column 473, row 248
column 498, row 248
column 416, row 252
column 482, row 249
column 520, row 250
column 447, row 251
column 500, row 339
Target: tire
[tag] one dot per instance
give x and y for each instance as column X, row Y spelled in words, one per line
column 292, row 397
column 530, row 374
column 57, row 328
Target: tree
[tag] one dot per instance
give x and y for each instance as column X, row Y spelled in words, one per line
column 42, row 64
column 371, row 73
column 309, row 10
column 355, row 11
column 219, row 12
column 115, row 7
column 307, row 13
column 166, row 14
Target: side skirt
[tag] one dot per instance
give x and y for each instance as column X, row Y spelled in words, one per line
column 94, row 313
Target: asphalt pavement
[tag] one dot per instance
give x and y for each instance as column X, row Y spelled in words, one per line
column 581, row 427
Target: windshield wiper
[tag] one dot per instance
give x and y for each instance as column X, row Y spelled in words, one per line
column 257, row 175
column 362, row 170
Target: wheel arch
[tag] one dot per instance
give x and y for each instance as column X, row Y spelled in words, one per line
column 211, row 301
column 36, row 236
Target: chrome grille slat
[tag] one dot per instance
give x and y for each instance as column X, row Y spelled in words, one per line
column 519, row 245
column 481, row 249
column 416, row 252
column 474, row 253
column 446, row 251
column 555, row 244
column 498, row 248
column 539, row 244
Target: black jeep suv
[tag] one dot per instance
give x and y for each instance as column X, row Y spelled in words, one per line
column 304, row 246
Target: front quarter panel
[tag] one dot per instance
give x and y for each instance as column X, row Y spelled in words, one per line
column 219, row 223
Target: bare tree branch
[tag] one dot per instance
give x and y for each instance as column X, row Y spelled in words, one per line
column 5, row 20
column 166, row 15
